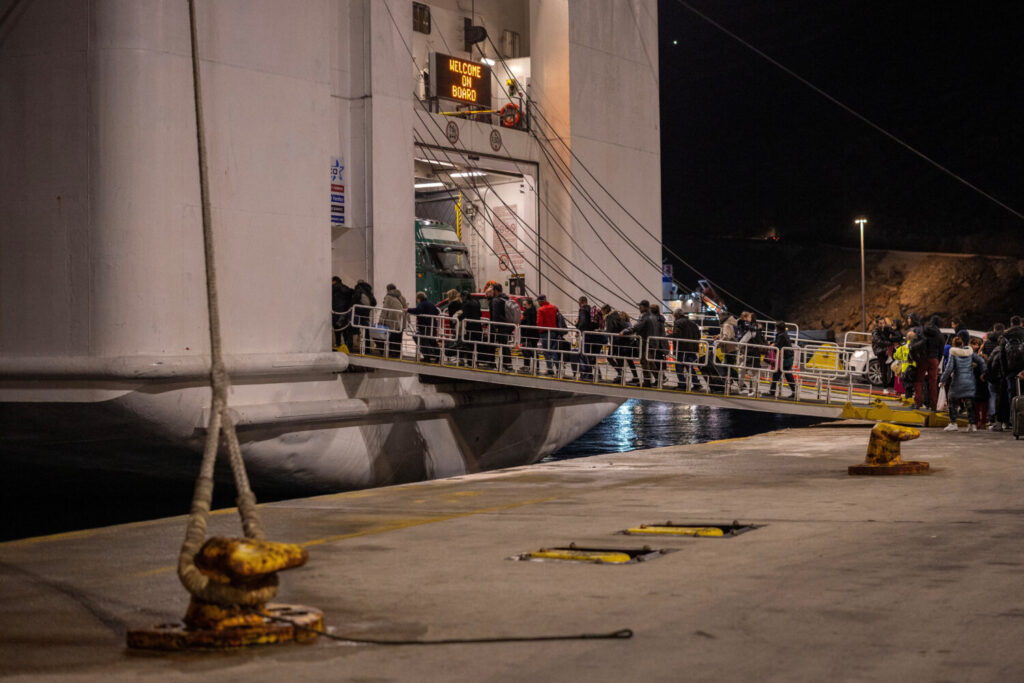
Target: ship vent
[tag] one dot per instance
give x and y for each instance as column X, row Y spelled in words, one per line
column 573, row 553
column 691, row 529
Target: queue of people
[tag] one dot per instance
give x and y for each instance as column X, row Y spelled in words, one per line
column 977, row 375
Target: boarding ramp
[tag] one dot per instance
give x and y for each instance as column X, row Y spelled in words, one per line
column 707, row 372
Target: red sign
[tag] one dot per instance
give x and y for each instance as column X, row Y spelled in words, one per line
column 337, row 188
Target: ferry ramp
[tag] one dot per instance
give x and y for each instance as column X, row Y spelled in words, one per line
column 708, row 372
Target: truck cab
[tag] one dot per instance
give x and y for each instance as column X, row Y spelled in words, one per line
column 442, row 260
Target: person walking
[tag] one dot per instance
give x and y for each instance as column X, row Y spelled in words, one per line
column 341, row 312
column 687, row 335
column 547, row 317
column 645, row 327
column 502, row 328
column 471, row 317
column 928, row 366
column 980, row 388
column 959, row 372
column 784, row 351
column 393, row 316
column 586, row 323
column 615, row 323
column 452, row 339
column 426, row 315
column 528, row 335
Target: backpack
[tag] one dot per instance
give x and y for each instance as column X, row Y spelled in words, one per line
column 1013, row 355
column 560, row 321
column 513, row 313
column 919, row 350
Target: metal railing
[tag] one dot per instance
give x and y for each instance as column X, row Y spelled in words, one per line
column 820, row 371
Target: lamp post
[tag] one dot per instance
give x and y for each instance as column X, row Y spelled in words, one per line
column 863, row 310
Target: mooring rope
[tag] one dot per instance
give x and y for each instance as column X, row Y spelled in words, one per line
column 197, row 583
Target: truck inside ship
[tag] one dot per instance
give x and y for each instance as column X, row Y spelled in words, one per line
column 442, row 260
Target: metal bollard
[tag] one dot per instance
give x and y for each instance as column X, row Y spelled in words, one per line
column 883, row 455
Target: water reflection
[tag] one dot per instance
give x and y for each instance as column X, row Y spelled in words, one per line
column 648, row 424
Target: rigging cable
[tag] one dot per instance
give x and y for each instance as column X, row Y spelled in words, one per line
column 850, row 110
column 536, row 108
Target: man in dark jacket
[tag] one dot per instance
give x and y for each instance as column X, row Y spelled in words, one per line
column 645, row 327
column 934, row 343
column 686, row 349
column 426, row 317
column 589, row 344
column 341, row 302
column 528, row 334
column 1009, row 359
column 501, row 330
column 471, row 316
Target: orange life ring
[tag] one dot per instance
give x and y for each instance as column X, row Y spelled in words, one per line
column 510, row 115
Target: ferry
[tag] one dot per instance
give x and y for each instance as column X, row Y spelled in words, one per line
column 330, row 128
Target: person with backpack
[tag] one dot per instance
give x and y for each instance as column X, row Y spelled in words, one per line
column 362, row 301
column 960, row 374
column 687, row 332
column 341, row 305
column 586, row 324
column 926, row 352
column 648, row 325
column 883, row 339
column 727, row 345
column 1008, row 364
column 988, row 347
column 784, row 352
column 615, row 324
column 502, row 327
column 528, row 334
column 547, row 317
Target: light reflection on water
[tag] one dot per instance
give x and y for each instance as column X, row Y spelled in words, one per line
column 648, row 424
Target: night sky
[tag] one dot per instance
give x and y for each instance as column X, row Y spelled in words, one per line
column 747, row 148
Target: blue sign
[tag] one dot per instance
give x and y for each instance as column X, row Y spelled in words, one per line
column 337, row 199
column 338, row 220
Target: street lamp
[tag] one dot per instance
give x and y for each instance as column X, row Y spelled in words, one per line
column 863, row 310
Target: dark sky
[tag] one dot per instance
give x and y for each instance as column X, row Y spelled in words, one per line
column 746, row 147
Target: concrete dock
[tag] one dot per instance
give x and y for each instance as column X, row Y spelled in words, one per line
column 917, row 578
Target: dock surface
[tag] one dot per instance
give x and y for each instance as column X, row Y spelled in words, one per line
column 846, row 579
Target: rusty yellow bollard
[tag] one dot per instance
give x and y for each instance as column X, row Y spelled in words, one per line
column 251, row 567
column 884, row 452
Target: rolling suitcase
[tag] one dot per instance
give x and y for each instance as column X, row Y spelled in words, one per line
column 1017, row 413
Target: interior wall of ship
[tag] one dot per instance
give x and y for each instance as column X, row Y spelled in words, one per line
column 101, row 249
column 502, row 239
column 372, row 82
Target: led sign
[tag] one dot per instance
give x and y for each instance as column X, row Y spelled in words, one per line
column 460, row 80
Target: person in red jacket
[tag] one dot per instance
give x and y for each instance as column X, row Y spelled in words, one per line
column 547, row 316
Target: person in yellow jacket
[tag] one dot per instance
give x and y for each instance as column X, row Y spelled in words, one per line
column 903, row 367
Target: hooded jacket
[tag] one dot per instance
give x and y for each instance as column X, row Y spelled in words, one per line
column 934, row 341
column 960, row 370
column 394, row 305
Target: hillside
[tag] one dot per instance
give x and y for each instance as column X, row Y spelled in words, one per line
column 818, row 286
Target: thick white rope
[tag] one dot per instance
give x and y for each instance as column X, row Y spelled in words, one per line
column 197, row 583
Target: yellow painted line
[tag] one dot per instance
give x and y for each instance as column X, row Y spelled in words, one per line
column 409, row 523
column 397, row 525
